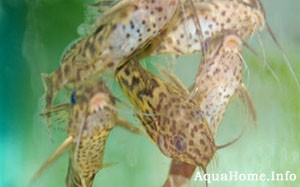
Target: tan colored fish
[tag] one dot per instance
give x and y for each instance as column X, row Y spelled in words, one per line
column 92, row 115
column 125, row 29
column 174, row 123
column 219, row 78
column 199, row 20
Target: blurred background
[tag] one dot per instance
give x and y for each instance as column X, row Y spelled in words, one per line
column 34, row 34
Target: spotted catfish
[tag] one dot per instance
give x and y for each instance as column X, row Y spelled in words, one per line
column 187, row 33
column 219, row 78
column 127, row 27
column 199, row 20
column 92, row 115
column 172, row 121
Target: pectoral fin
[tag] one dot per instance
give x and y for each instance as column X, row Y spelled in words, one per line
column 52, row 158
column 129, row 126
column 175, row 81
column 59, row 116
column 55, row 109
column 107, row 165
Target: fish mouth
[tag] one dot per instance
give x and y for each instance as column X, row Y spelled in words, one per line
column 232, row 41
column 98, row 102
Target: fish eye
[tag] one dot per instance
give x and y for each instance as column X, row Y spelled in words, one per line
column 73, row 97
column 179, row 143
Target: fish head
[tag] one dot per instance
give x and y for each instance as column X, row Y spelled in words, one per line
column 92, row 107
column 185, row 134
column 222, row 45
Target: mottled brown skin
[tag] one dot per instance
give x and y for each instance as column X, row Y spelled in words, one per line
column 214, row 17
column 128, row 27
column 92, row 117
column 90, row 127
column 185, row 38
column 174, row 123
column 219, row 78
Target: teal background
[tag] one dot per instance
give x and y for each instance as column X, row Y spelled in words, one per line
column 33, row 36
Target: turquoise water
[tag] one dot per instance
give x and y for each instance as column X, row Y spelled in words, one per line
column 33, row 36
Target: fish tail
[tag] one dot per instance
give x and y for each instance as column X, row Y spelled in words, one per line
column 180, row 174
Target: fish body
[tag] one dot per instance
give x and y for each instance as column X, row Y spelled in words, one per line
column 204, row 19
column 91, row 120
column 91, row 117
column 174, row 123
column 219, row 78
column 128, row 27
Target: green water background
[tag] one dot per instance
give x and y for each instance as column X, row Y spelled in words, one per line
column 33, row 36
